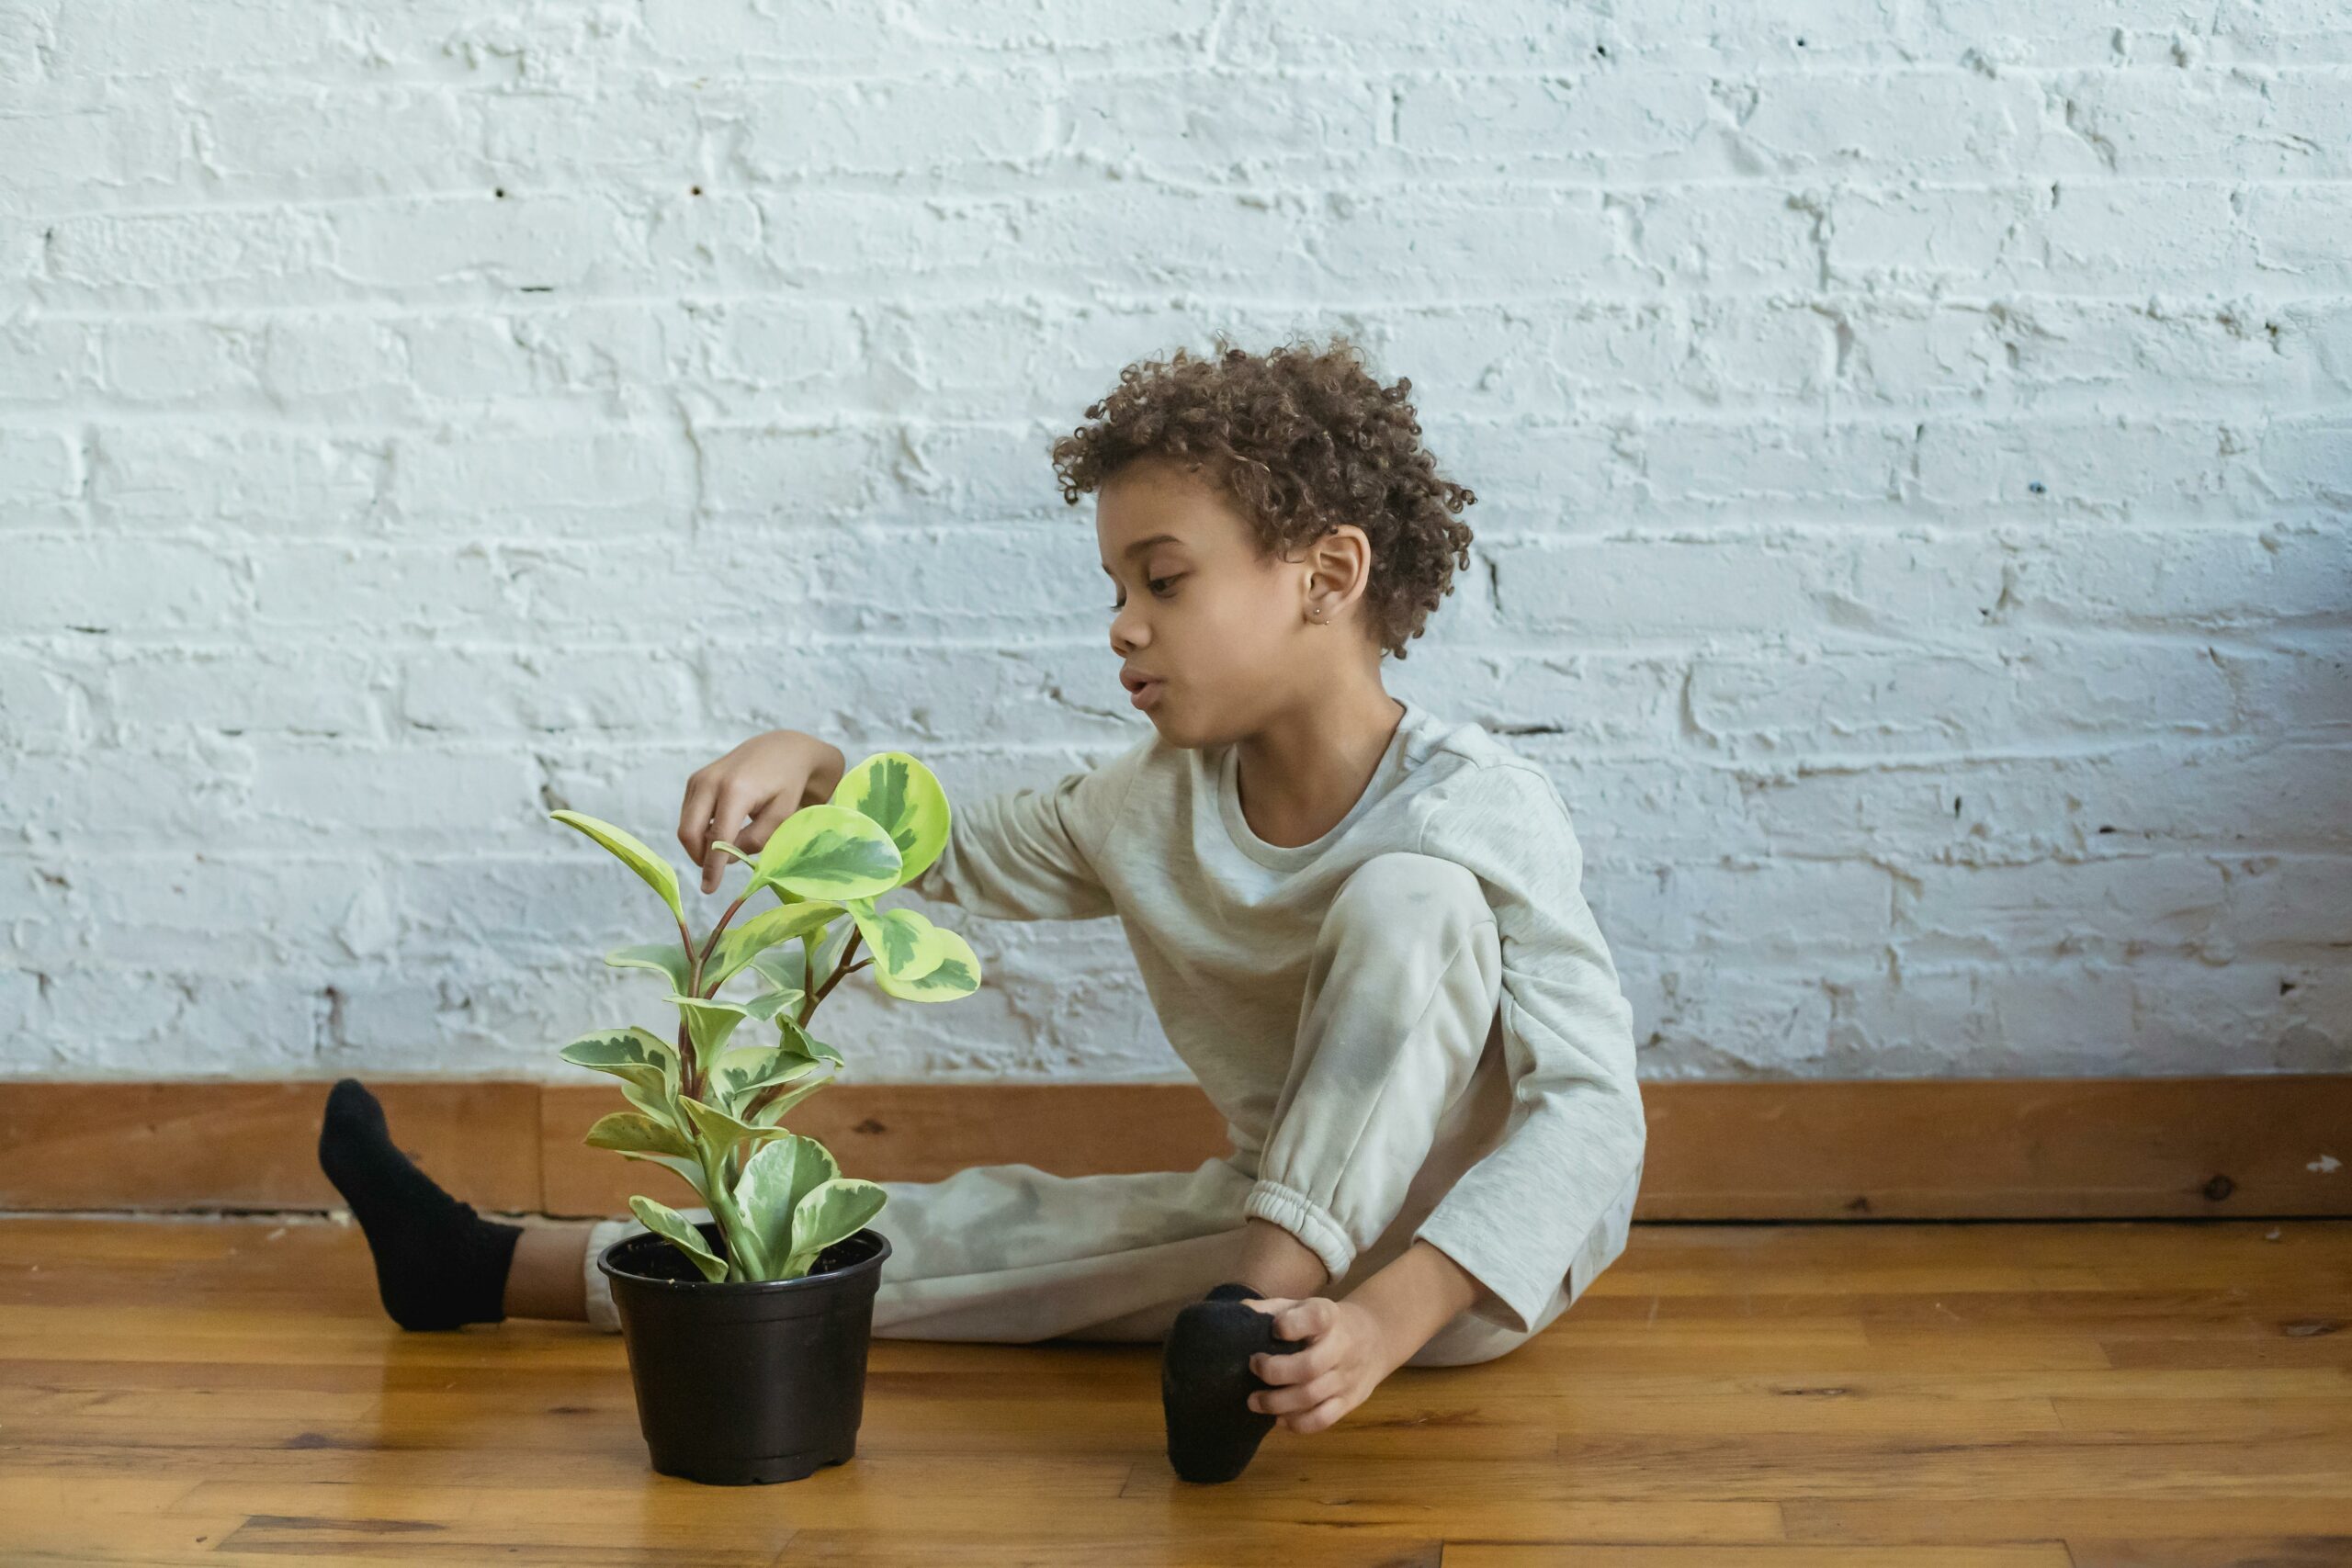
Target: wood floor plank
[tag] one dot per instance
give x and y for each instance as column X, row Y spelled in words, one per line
column 2234, row 1552
column 2318, row 1412
column 1978, row 1396
column 1547, row 1554
column 2188, row 1518
column 1217, row 1547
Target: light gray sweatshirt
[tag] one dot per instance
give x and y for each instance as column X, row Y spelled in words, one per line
column 1222, row 925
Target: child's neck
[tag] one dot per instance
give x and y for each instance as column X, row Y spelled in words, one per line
column 1299, row 776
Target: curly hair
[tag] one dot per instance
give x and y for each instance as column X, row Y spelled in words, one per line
column 1302, row 439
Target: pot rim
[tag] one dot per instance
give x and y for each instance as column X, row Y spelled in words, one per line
column 742, row 1287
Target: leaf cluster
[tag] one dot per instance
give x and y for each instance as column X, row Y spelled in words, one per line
column 711, row 1105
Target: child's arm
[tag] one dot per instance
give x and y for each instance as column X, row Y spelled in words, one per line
column 1032, row 853
column 1522, row 1217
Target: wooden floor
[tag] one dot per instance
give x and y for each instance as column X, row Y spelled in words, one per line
column 201, row 1392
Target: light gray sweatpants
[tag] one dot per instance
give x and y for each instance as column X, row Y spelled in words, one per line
column 1395, row 1087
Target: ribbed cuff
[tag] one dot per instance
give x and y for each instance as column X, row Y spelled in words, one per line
column 1303, row 1218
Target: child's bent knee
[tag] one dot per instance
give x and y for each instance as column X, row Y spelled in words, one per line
column 1401, row 895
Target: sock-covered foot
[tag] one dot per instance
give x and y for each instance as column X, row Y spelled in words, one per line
column 1205, row 1384
column 438, row 1264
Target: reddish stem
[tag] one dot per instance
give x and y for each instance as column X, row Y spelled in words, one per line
column 841, row 972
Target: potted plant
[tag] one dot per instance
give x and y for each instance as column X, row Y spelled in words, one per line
column 747, row 1333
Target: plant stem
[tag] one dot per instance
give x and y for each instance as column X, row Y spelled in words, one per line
column 690, row 1073
column 841, row 972
column 713, row 941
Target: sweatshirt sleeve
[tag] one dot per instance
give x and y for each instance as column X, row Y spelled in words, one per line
column 1522, row 1215
column 1035, row 853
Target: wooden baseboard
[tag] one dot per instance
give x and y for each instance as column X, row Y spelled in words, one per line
column 2267, row 1145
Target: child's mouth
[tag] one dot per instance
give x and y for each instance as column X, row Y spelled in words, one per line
column 1145, row 694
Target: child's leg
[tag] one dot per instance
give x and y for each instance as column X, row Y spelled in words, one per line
column 545, row 1278
column 1399, row 1087
column 1014, row 1254
column 1391, row 1092
column 1388, row 1094
column 1379, row 1110
column 438, row 1264
column 1395, row 1087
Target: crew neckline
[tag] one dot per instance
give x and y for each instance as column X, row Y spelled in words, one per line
column 1288, row 857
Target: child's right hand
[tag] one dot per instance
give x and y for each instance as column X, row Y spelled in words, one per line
column 766, row 779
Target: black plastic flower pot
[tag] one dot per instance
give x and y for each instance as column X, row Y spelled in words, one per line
column 741, row 1385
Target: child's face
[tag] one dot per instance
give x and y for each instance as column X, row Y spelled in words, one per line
column 1219, row 626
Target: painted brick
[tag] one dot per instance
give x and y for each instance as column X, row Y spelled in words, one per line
column 1913, row 524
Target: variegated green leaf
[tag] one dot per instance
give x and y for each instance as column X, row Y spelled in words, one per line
column 722, row 1130
column 773, row 1007
column 828, row 852
column 627, row 1132
column 904, row 797
column 791, row 1037
column 956, row 972
column 782, row 966
column 914, row 959
column 783, row 896
column 660, row 1104
column 897, row 938
column 737, row 1083
column 772, row 1113
column 831, row 1211
column 825, row 957
column 690, row 1171
column 740, row 944
column 774, row 1182
column 671, row 1226
column 709, row 1023
column 656, row 871
column 661, row 957
column 638, row 1056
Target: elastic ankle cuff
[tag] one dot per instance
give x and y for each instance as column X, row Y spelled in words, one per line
column 1300, row 1215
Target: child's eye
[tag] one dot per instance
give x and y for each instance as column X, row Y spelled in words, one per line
column 1152, row 582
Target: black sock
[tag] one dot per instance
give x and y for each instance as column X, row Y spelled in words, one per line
column 1206, row 1382
column 438, row 1264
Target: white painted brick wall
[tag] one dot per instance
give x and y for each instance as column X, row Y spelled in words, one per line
column 1915, row 444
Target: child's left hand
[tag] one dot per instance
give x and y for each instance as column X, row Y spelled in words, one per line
column 1348, row 1355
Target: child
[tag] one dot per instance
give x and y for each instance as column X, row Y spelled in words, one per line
column 1361, row 925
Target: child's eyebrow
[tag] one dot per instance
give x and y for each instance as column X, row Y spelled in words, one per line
column 1141, row 545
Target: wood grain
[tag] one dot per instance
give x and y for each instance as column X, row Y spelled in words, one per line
column 1939, row 1149
column 183, row 1392
column 220, row 1145
column 2009, row 1149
